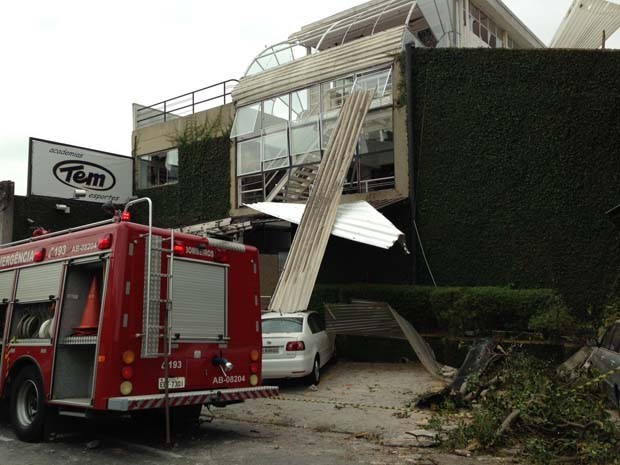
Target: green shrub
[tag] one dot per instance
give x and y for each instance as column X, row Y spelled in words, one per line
column 458, row 310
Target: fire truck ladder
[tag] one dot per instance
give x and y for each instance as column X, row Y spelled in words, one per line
column 153, row 331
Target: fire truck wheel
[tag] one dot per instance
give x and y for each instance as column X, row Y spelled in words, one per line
column 27, row 405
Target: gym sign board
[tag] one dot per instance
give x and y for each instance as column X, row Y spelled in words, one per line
column 57, row 170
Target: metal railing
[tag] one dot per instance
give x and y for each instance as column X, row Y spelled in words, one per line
column 185, row 105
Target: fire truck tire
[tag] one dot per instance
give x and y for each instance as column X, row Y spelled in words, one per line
column 27, row 408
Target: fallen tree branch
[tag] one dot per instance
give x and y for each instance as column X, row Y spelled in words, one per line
column 510, row 419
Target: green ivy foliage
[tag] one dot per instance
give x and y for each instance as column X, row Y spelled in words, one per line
column 203, row 189
column 517, row 161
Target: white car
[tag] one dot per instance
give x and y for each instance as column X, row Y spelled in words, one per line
column 295, row 345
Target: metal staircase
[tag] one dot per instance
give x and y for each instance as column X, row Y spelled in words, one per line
column 295, row 185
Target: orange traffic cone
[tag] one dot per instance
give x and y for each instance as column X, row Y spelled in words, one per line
column 90, row 317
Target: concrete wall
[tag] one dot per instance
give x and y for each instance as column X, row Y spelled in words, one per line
column 159, row 137
column 7, row 207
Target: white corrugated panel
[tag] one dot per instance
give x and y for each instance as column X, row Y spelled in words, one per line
column 39, row 282
column 585, row 22
column 199, row 296
column 357, row 221
column 363, row 54
column 296, row 282
column 6, row 285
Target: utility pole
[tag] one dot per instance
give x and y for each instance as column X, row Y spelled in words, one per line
column 604, row 38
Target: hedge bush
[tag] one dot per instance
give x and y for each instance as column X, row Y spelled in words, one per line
column 459, row 310
column 516, row 163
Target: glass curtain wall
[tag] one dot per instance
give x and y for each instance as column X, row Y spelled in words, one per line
column 280, row 137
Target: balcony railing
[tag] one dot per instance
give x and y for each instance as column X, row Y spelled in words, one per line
column 185, row 105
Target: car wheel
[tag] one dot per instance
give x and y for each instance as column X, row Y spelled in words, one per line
column 27, row 408
column 315, row 376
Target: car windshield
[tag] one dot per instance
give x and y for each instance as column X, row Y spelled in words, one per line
column 282, row 325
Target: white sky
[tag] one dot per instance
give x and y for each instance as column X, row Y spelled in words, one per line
column 72, row 68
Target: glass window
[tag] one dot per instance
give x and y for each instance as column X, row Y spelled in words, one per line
column 313, row 323
column 275, row 150
column 376, row 152
column 334, row 93
column 485, row 28
column 294, row 129
column 158, row 169
column 305, row 143
column 306, row 105
column 276, row 112
column 247, row 121
column 282, row 325
column 381, row 83
column 251, row 189
column 248, row 156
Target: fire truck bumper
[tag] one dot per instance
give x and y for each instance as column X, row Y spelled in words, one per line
column 177, row 399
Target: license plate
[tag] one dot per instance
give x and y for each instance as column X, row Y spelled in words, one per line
column 173, row 383
column 270, row 350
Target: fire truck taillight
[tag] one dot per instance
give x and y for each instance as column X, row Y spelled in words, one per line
column 179, row 249
column 126, row 388
column 125, row 216
column 105, row 242
column 254, row 368
column 129, row 357
column 254, row 380
column 127, row 373
column 39, row 255
column 254, row 355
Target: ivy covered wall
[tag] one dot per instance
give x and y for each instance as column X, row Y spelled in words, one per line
column 203, row 189
column 517, row 158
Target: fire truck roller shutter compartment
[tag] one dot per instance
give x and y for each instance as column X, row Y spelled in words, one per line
column 200, row 300
column 78, row 332
column 6, row 292
column 37, row 293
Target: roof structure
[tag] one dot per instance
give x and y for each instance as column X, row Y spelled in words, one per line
column 586, row 23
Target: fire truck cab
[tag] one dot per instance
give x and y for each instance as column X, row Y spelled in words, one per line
column 121, row 317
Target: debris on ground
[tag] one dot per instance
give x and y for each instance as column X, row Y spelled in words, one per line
column 552, row 416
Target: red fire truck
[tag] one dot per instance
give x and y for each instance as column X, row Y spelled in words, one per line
column 123, row 317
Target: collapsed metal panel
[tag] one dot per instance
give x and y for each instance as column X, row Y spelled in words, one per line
column 357, row 221
column 362, row 55
column 585, row 22
column 297, row 281
column 365, row 19
column 378, row 319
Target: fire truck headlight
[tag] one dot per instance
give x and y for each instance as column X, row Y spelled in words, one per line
column 253, row 380
column 126, row 388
